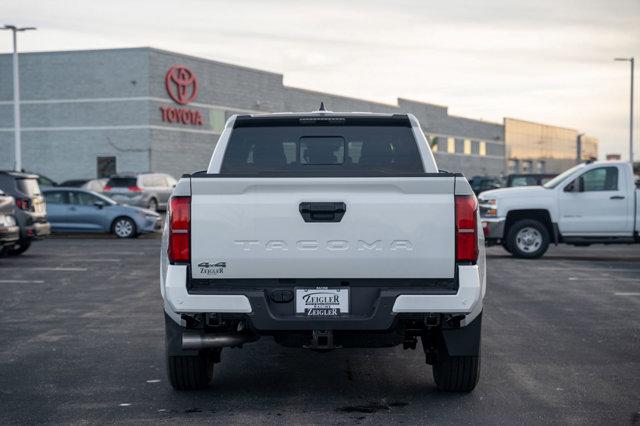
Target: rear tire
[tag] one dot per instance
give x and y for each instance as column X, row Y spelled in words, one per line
column 528, row 239
column 190, row 372
column 17, row 248
column 457, row 373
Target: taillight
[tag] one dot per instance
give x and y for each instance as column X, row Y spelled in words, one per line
column 134, row 188
column 466, row 228
column 179, row 229
column 23, row 203
column 106, row 188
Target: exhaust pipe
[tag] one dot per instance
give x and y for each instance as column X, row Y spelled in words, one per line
column 196, row 341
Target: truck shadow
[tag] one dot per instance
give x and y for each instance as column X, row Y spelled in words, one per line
column 265, row 376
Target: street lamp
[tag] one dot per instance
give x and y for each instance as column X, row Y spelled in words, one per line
column 16, row 94
column 631, row 111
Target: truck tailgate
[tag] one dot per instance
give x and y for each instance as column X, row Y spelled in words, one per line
column 393, row 227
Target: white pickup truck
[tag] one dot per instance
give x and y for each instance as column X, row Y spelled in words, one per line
column 591, row 203
column 323, row 230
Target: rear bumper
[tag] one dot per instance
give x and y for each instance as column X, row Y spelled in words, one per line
column 36, row 230
column 141, row 200
column 377, row 310
column 9, row 234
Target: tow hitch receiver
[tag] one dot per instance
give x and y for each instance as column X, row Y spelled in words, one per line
column 322, row 340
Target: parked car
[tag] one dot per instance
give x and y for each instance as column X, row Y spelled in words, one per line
column 9, row 229
column 78, row 210
column 95, row 185
column 149, row 190
column 31, row 212
column 323, row 230
column 591, row 203
column 527, row 179
column 484, row 183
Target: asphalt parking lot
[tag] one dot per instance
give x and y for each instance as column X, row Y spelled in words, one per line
column 82, row 341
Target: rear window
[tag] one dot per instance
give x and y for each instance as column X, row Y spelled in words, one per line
column 28, row 186
column 120, row 182
column 322, row 150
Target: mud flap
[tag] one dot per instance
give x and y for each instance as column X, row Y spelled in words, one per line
column 463, row 341
column 173, row 333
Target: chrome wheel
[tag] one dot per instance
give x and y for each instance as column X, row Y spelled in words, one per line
column 123, row 228
column 528, row 239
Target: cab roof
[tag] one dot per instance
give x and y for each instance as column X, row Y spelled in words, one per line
column 315, row 118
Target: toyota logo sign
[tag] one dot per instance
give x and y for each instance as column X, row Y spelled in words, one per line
column 182, row 87
column 181, row 83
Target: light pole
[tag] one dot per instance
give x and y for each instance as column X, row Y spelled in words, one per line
column 16, row 94
column 632, row 60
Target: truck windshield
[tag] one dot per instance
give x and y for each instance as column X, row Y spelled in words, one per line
column 312, row 150
column 562, row 176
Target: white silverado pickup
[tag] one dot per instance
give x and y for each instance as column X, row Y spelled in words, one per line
column 324, row 230
column 591, row 203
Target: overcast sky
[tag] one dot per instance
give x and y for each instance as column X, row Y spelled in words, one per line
column 544, row 60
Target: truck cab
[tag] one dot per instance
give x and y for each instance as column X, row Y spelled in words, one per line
column 591, row 203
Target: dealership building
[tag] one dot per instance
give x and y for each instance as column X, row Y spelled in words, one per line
column 92, row 113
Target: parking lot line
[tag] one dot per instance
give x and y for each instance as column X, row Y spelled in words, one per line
column 98, row 260
column 42, row 268
column 601, row 278
column 21, row 282
column 623, row 293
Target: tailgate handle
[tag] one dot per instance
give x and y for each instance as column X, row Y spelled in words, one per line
column 322, row 212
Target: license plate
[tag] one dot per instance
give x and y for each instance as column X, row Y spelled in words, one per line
column 322, row 301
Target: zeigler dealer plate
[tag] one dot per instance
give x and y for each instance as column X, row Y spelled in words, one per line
column 322, row 301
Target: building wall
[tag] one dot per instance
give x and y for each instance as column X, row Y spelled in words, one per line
column 589, row 148
column 79, row 105
column 74, row 107
column 540, row 148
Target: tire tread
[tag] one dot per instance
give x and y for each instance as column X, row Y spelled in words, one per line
column 457, row 373
column 189, row 372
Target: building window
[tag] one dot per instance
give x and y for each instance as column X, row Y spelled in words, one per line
column 483, row 148
column 526, row 166
column 513, row 166
column 451, row 145
column 217, row 119
column 106, row 167
column 467, row 147
column 540, row 166
column 475, row 147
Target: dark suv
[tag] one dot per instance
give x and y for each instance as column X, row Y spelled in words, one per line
column 485, row 183
column 31, row 211
column 9, row 231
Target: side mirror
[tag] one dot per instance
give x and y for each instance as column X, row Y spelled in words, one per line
column 576, row 186
column 99, row 204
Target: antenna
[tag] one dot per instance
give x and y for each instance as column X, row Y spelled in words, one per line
column 321, row 107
